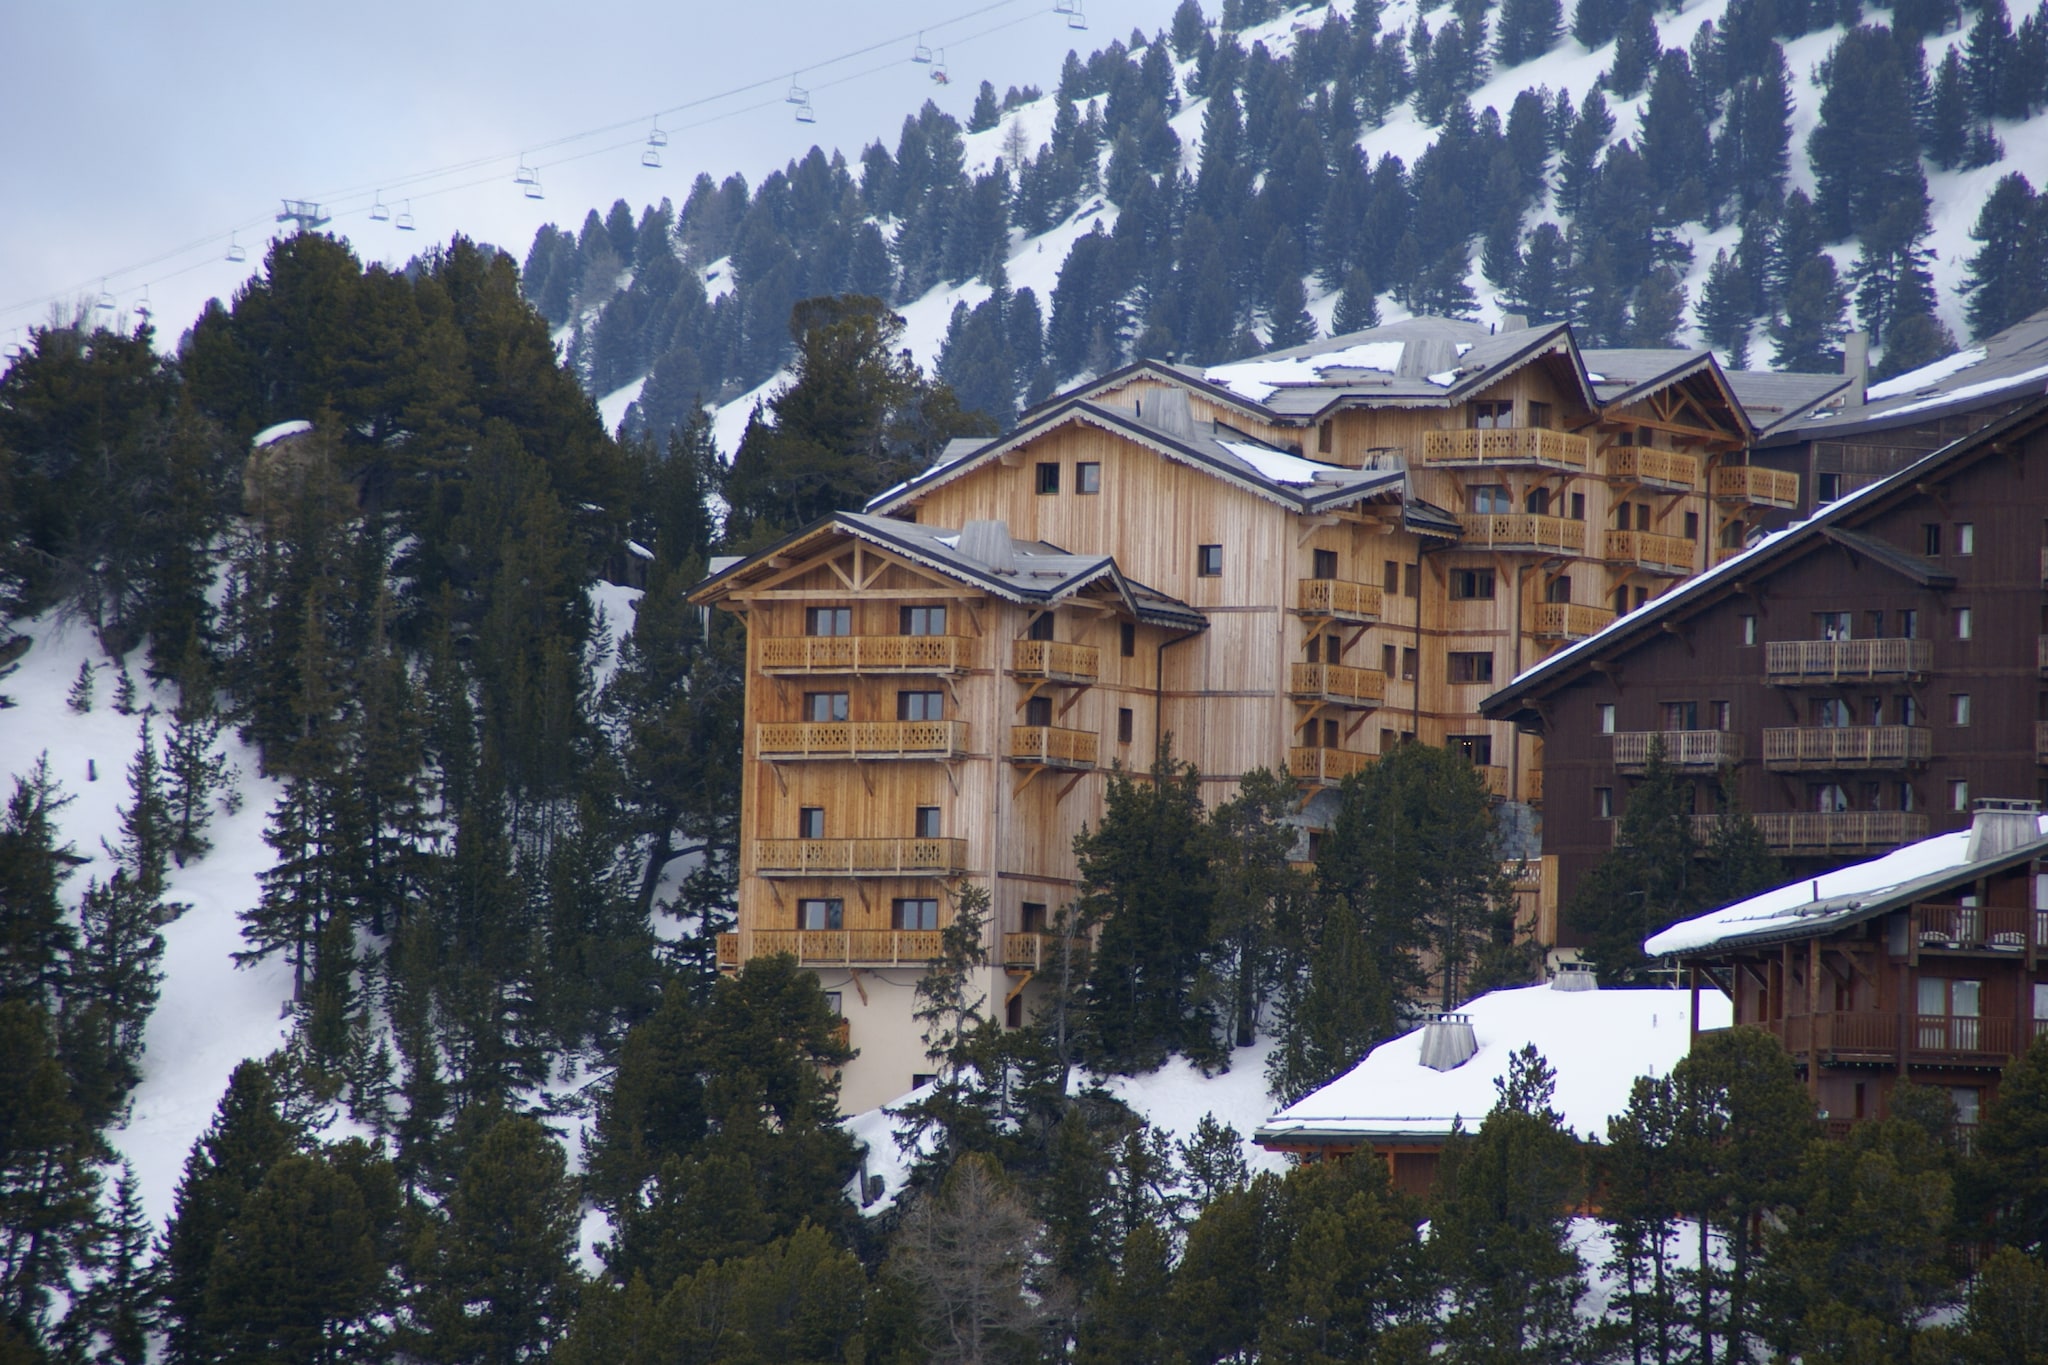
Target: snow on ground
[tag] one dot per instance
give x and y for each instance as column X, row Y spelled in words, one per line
column 612, row 407
column 211, row 1014
column 616, row 607
column 718, row 279
column 729, row 420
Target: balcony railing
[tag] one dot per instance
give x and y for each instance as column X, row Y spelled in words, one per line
column 1846, row 831
column 1981, row 928
column 1338, row 599
column 1702, row 750
column 1326, row 766
column 1936, row 1039
column 1495, row 776
column 1813, row 748
column 860, row 857
column 1049, row 746
column 1523, row 531
column 867, row 739
column 1648, row 550
column 1338, row 685
column 1568, row 620
column 1665, row 469
column 1507, row 446
column 802, row 654
column 1820, row 662
column 1757, row 486
column 832, row 947
column 1056, row 660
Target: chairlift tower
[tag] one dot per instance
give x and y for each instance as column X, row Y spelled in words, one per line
column 303, row 212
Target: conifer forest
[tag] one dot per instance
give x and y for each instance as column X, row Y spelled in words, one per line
column 434, row 642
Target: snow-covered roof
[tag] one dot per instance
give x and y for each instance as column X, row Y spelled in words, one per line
column 1834, row 899
column 2011, row 364
column 1598, row 1042
column 273, row 434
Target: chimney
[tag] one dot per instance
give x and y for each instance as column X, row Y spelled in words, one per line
column 1448, row 1042
column 1425, row 356
column 1999, row 825
column 1514, row 322
column 1575, row 976
column 1856, row 365
column 1171, row 414
column 989, row 542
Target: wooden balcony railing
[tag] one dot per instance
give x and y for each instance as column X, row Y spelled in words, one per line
column 1523, row 531
column 1508, row 446
column 1337, row 684
column 862, row 739
column 860, row 857
column 1757, row 486
column 1796, row 662
column 1704, row 750
column 1665, row 469
column 1847, row 831
column 1051, row 747
column 1724, row 553
column 1813, row 748
column 1055, row 659
column 1567, row 620
column 1648, row 550
column 1495, row 776
column 1326, row 766
column 801, row 654
column 1338, row 599
column 832, row 947
column 1930, row 1039
column 1981, row 928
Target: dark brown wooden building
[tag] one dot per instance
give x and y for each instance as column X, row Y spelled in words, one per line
column 1926, row 965
column 1865, row 675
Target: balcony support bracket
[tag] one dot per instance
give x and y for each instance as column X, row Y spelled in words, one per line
column 1072, row 782
column 1018, row 989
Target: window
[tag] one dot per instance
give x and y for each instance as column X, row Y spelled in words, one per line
column 1966, row 623
column 923, row 620
column 1732, row 533
column 1829, row 798
column 828, row 620
column 1209, row 561
column 1390, row 577
column 928, row 822
column 1471, row 667
column 1489, row 497
column 1833, row 625
column 1930, row 538
column 1692, row 526
column 1539, row 414
column 1749, row 630
column 1603, row 803
column 1411, row 580
column 1040, row 627
column 920, row 706
column 1387, row 664
column 1723, row 714
column 1127, row 639
column 1621, row 601
column 1605, row 711
column 824, row 706
column 1038, row 711
column 1968, row 1101
column 1048, row 478
column 1471, row 584
column 1907, row 799
column 1088, row 477
column 1959, row 708
column 1474, row 749
column 1681, row 715
column 1909, row 625
column 1323, row 438
column 821, row 914
column 908, row 913
column 1125, row 724
column 1831, row 713
column 1325, row 564
column 810, row 822
column 1828, row 487
column 1642, row 596
column 1958, row 795
column 1407, row 664
column 1966, row 538
column 1875, row 620
column 832, row 1002
column 1578, row 507
column 1907, row 709
column 1033, row 917
column 1487, row 416
column 1537, row 502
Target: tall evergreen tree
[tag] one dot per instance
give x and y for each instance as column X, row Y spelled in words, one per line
column 49, row 1176
column 1648, row 881
column 1528, row 29
column 2007, row 276
column 1636, row 48
column 1807, row 335
column 1357, row 306
column 1724, row 315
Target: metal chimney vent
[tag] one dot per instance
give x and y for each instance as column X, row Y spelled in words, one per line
column 1999, row 824
column 1448, row 1042
column 1575, row 976
column 989, row 542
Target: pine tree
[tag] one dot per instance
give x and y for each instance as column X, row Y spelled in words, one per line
column 1288, row 320
column 1583, row 146
column 1865, row 148
column 945, row 1003
column 1658, row 310
column 2007, row 276
column 1724, row 313
column 1987, row 58
column 196, row 770
column 1256, row 894
column 2007, row 1181
column 1347, row 1276
column 122, row 1307
column 1528, row 29
column 1807, row 335
column 1636, row 48
column 124, row 690
column 1595, row 22
column 37, row 940
column 80, row 696
column 119, row 971
column 1947, row 130
column 986, row 114
column 49, row 1177
column 1644, row 1173
column 1357, row 306
column 1539, row 292
column 147, row 833
column 2007, row 1314
column 1647, row 882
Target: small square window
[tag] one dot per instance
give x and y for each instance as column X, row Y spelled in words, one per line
column 821, row 914
column 1828, row 487
column 928, row 822
column 1048, row 478
column 1958, row 795
column 1088, row 477
column 1407, row 664
column 1966, row 623
column 1692, row 526
column 1126, row 724
column 1325, row 564
column 1472, row 667
column 810, row 822
column 832, row 1003
column 1909, row 624
column 924, row 620
column 1387, row 664
column 920, row 706
column 914, row 914
column 1041, row 627
column 1723, row 714
column 1128, row 639
column 828, row 620
column 1539, row 414
column 1603, row 803
column 821, row 707
column 1605, row 711
column 1966, row 538
column 1959, row 708
column 1209, row 561
column 1411, row 580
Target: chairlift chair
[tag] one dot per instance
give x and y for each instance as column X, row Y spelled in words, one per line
column 797, row 94
column 921, row 53
column 1076, row 18
column 403, row 222
column 525, row 175
column 651, row 159
column 532, row 187
column 1065, row 6
column 378, row 212
column 236, row 251
column 655, row 137
column 142, row 308
column 804, row 112
column 105, row 302
column 939, row 76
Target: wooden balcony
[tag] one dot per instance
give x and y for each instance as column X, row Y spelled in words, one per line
column 1523, row 531
column 1048, row 746
column 1326, row 767
column 860, row 857
column 1338, row 685
column 1871, row 1038
column 1649, row 551
column 1756, row 486
column 1847, row 831
column 1981, row 928
column 1687, row 750
column 1056, row 661
column 810, row 654
column 1818, row 663
column 868, row 739
column 1040, row 952
column 1646, row 467
column 1724, row 553
column 1567, row 620
column 1337, row 599
column 1814, row 748
column 1528, row 447
column 832, row 947
column 1495, row 778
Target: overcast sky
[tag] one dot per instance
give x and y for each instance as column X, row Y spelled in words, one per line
column 137, row 135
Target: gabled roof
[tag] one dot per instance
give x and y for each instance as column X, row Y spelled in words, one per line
column 1776, row 402
column 983, row 554
column 1265, row 471
column 1846, row 896
column 2007, row 366
column 1833, row 525
column 1623, row 377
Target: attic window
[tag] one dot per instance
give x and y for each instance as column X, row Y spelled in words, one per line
column 1209, row 561
column 1087, row 477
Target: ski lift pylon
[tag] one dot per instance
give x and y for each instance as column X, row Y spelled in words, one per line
column 236, row 251
column 403, row 222
column 921, row 53
column 379, row 213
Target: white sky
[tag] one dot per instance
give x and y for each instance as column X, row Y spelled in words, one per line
column 139, row 134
